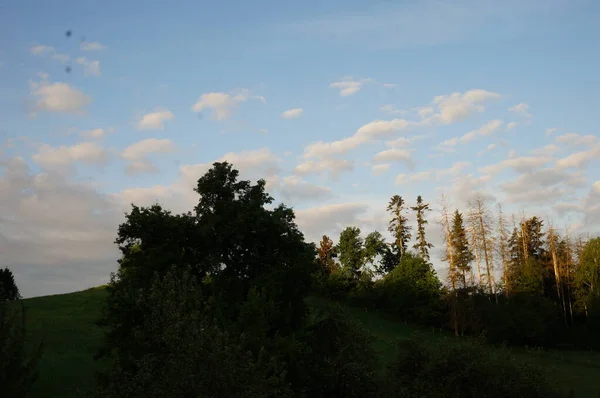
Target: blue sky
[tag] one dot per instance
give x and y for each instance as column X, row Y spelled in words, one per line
column 410, row 97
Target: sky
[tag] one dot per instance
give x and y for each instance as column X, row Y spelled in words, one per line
column 338, row 105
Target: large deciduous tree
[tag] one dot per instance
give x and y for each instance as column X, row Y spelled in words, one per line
column 231, row 244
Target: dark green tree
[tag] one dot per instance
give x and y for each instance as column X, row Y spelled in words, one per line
column 375, row 247
column 265, row 252
column 8, row 288
column 463, row 256
column 422, row 245
column 398, row 226
column 351, row 252
column 18, row 362
column 187, row 353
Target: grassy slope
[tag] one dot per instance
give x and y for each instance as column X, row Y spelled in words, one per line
column 66, row 322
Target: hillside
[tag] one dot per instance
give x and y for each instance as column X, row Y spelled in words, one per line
column 67, row 325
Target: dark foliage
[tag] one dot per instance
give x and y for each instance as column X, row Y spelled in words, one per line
column 338, row 359
column 8, row 288
column 18, row 366
column 462, row 369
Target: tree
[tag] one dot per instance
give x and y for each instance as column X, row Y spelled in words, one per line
column 265, row 251
column 587, row 277
column 422, row 245
column 8, row 288
column 187, row 353
column 326, row 254
column 398, row 226
column 463, row 256
column 449, row 249
column 502, row 249
column 351, row 253
column 479, row 218
column 18, row 363
column 375, row 246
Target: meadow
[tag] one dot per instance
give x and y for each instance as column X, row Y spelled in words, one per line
column 66, row 323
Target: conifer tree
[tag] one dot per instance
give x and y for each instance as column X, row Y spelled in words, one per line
column 398, row 226
column 422, row 245
column 463, row 256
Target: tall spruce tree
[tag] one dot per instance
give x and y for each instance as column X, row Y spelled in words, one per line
column 463, row 256
column 422, row 245
column 398, row 226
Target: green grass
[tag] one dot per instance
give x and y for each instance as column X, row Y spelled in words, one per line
column 66, row 323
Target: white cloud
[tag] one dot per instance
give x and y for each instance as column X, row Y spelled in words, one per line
column 489, row 148
column 334, row 167
column 450, row 108
column 550, row 131
column 519, row 164
column 90, row 67
column 455, row 170
column 63, row 157
column 41, row 50
column 521, row 108
column 95, row 133
column 580, row 159
column 58, row 97
column 292, row 188
column 548, row 185
column 391, row 109
column 292, row 113
column 458, row 106
column 349, row 86
column 546, row 150
column 574, row 139
column 329, row 219
column 92, row 46
column 137, row 154
column 379, row 169
column 395, row 155
column 511, row 125
column 483, row 131
column 155, row 120
column 57, row 235
column 223, row 104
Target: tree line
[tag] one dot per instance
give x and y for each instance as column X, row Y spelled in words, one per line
column 517, row 283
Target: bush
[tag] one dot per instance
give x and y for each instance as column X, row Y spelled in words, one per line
column 462, row 369
column 523, row 319
column 338, row 360
column 186, row 352
column 412, row 291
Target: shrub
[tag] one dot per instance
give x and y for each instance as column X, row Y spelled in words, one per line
column 187, row 354
column 462, row 369
column 338, row 360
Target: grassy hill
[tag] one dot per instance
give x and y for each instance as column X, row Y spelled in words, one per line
column 66, row 323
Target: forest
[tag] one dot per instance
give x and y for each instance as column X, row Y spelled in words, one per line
column 213, row 303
